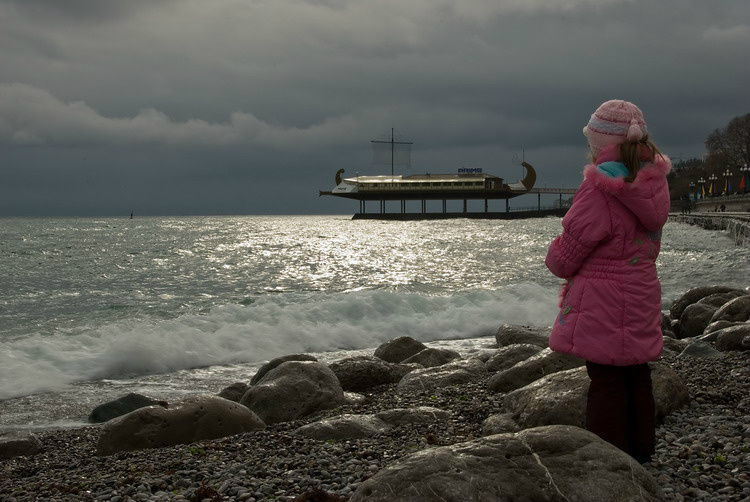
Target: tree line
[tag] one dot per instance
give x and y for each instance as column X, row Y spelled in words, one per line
column 727, row 150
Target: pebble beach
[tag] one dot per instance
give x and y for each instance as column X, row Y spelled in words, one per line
column 703, row 449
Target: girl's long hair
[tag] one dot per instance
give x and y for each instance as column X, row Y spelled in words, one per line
column 632, row 153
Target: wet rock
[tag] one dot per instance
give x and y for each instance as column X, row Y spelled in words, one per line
column 365, row 372
column 533, row 368
column 16, row 445
column 292, row 390
column 430, row 357
column 344, row 427
column 509, row 355
column 509, row 334
column 699, row 349
column 234, row 392
column 398, row 349
column 737, row 310
column 418, row 415
column 731, row 338
column 695, row 318
column 279, row 360
column 696, row 294
column 546, row 463
column 122, row 406
column 193, row 419
column 453, row 373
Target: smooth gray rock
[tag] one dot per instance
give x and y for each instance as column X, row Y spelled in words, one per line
column 737, row 310
column 15, row 445
column 699, row 350
column 560, row 398
column 731, row 338
column 121, row 406
column 418, row 415
column 553, row 463
column 398, row 349
column 344, row 427
column 365, row 372
column 695, row 318
column 717, row 325
column 745, row 343
column 483, row 355
column 453, row 373
column 429, row 357
column 234, row 392
column 509, row 355
column 666, row 321
column 509, row 334
column 696, row 294
column 675, row 345
column 292, row 390
column 195, row 418
column 499, row 423
column 277, row 361
column 533, row 368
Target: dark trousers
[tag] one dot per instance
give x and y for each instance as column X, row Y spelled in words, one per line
column 620, row 407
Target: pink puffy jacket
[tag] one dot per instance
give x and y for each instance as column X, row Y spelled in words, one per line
column 610, row 307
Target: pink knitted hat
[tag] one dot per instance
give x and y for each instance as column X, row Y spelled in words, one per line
column 614, row 122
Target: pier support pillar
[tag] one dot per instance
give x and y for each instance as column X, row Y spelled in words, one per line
column 507, row 206
column 561, row 200
column 403, row 206
column 444, row 210
column 464, row 205
column 539, row 202
column 424, row 206
column 485, row 205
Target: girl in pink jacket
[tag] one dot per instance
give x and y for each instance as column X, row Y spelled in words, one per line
column 610, row 306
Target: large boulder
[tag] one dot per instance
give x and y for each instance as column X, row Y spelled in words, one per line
column 277, row 361
column 195, row 418
column 509, row 334
column 453, row 373
column 510, row 355
column 121, row 406
column 695, row 318
column 552, row 463
column 365, row 372
column 398, row 349
column 234, row 392
column 418, row 415
column 499, row 423
column 533, row 368
column 430, row 357
column 292, row 390
column 560, row 398
column 737, row 310
column 344, row 427
column 731, row 338
column 13, row 444
column 697, row 294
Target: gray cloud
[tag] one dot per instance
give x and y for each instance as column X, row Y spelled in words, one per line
column 299, row 87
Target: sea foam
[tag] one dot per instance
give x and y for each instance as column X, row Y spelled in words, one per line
column 273, row 325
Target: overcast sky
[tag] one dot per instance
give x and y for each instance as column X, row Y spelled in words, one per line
column 250, row 106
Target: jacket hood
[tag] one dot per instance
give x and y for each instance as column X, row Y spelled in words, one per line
column 647, row 196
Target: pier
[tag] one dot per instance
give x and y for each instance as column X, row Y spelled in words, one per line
column 537, row 211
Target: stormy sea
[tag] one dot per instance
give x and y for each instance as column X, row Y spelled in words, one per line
column 93, row 308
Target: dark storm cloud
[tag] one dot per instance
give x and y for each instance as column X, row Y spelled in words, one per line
column 241, row 93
